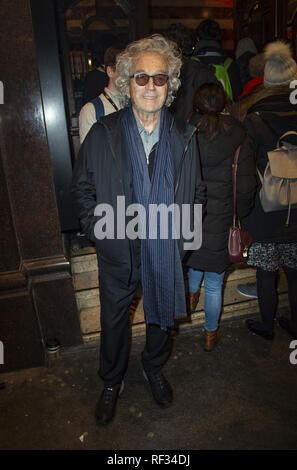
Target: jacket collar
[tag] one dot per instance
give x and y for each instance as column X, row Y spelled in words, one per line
column 112, row 123
column 209, row 45
column 279, row 101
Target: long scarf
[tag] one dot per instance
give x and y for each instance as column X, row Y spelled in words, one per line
column 161, row 270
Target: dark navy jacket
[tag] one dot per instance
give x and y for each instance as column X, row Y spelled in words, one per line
column 103, row 171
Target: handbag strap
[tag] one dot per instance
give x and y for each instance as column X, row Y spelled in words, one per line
column 234, row 173
column 284, row 135
column 271, row 128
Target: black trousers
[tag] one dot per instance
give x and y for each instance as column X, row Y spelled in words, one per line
column 267, row 295
column 115, row 300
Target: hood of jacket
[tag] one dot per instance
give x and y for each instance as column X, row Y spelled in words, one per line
column 276, row 110
column 209, row 48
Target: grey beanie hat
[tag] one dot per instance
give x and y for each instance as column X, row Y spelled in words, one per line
column 245, row 45
column 280, row 67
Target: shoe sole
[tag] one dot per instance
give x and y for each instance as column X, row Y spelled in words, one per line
column 251, row 296
column 247, row 295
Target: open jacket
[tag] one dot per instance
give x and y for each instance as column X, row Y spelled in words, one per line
column 271, row 116
column 103, row 171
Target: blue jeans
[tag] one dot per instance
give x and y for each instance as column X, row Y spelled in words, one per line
column 213, row 283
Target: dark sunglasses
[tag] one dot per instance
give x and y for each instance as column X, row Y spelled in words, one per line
column 142, row 78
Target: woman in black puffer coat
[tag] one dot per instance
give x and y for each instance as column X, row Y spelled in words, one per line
column 219, row 135
column 275, row 240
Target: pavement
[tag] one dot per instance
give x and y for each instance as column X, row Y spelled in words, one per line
column 240, row 396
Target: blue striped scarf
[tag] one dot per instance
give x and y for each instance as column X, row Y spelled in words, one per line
column 161, row 269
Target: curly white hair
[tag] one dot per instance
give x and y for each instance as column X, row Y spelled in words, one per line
column 155, row 43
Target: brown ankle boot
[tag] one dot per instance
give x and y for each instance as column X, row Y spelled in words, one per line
column 211, row 338
column 193, row 300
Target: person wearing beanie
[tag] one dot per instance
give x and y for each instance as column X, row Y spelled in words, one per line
column 208, row 50
column 275, row 241
column 280, row 67
column 209, row 30
column 244, row 52
column 245, row 45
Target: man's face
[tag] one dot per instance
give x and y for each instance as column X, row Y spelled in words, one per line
column 148, row 98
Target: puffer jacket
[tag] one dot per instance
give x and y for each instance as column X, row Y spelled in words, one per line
column 217, row 157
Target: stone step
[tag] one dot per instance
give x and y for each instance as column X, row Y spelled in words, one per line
column 233, row 311
column 85, row 278
column 85, row 272
column 232, row 301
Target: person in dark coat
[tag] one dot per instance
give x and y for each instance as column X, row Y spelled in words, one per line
column 96, row 80
column 209, row 51
column 138, row 156
column 245, row 50
column 194, row 73
column 219, row 135
column 275, row 241
column 252, row 88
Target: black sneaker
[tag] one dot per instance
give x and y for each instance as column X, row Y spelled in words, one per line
column 286, row 325
column 105, row 408
column 258, row 328
column 160, row 388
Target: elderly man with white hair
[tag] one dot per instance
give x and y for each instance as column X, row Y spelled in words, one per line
column 139, row 154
